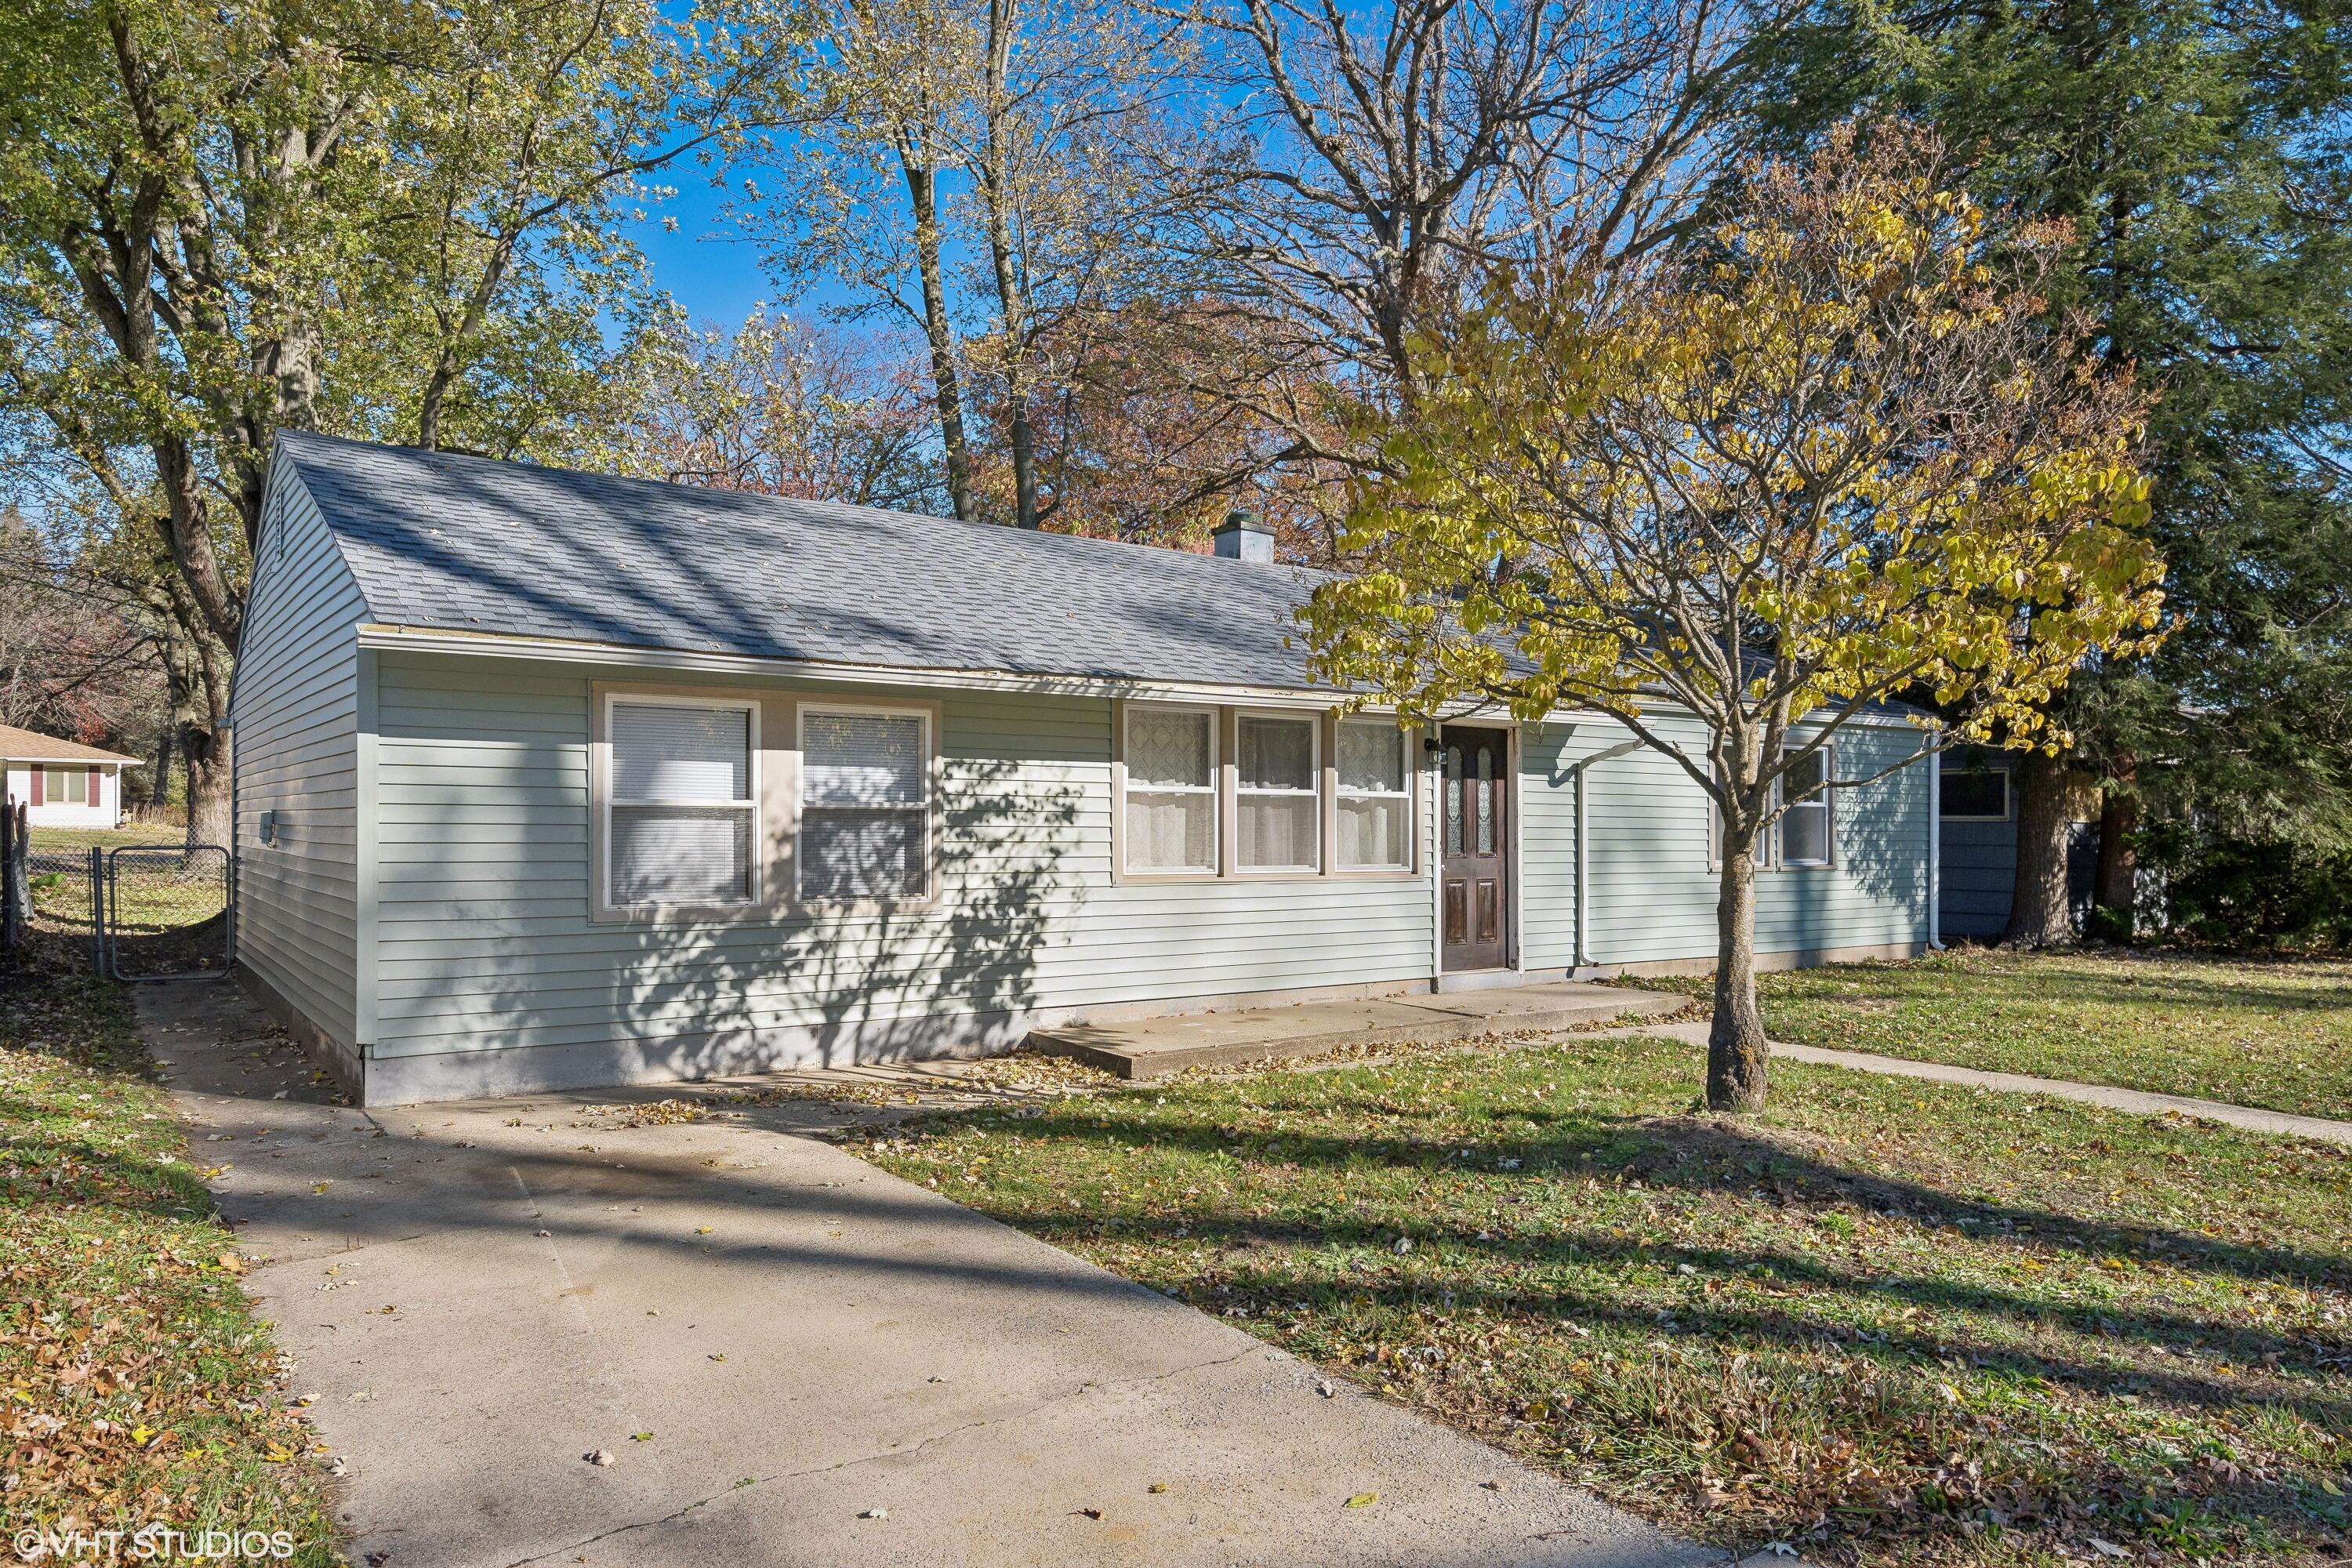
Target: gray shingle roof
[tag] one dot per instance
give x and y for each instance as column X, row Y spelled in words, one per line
column 470, row 545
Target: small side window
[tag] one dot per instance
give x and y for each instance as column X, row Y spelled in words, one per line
column 1807, row 836
column 1973, row 794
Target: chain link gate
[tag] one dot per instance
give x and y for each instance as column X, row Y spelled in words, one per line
column 163, row 912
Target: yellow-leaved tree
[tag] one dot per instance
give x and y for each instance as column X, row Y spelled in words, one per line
column 1831, row 461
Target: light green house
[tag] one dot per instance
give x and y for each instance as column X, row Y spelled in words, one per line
column 550, row 779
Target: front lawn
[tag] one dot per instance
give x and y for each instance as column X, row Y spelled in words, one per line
column 1882, row 1322
column 139, row 1389
column 2274, row 1033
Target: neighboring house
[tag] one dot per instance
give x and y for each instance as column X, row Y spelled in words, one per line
column 1977, row 853
column 547, row 779
column 66, row 783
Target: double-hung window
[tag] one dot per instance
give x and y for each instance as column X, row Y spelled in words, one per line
column 68, row 786
column 1171, row 790
column 865, row 804
column 1375, row 806
column 1278, row 794
column 1808, row 836
column 681, row 807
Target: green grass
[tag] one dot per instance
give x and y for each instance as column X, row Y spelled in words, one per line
column 107, row 837
column 1883, row 1321
column 138, row 1386
column 2274, row 1033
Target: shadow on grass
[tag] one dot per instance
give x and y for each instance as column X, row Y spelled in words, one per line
column 1782, row 1300
column 1703, row 1155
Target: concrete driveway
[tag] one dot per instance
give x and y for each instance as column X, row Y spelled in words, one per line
column 773, row 1339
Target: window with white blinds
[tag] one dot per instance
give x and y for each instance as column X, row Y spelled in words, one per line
column 1171, row 789
column 681, row 802
column 1375, row 797
column 865, row 804
column 1278, row 794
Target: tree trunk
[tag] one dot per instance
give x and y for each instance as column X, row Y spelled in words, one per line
column 922, row 194
column 2116, row 887
column 210, row 795
column 1012, row 288
column 160, row 793
column 2038, row 915
column 437, row 392
column 1736, row 1051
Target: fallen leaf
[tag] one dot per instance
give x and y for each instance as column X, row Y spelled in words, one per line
column 1363, row 1500
column 1156, row 1488
column 875, row 1513
column 2108, row 1548
column 641, row 1437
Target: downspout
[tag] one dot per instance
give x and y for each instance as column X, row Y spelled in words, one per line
column 1584, row 850
column 1936, row 850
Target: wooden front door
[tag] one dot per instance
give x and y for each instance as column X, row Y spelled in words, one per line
column 1474, row 849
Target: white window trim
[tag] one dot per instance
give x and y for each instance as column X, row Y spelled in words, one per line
column 1214, row 790
column 929, row 806
column 1323, row 806
column 2008, row 799
column 1825, row 799
column 607, row 799
column 1341, row 794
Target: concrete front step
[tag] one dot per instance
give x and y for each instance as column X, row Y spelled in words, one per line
column 1154, row 1048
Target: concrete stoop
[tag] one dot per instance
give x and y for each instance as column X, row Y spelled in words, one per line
column 1155, row 1047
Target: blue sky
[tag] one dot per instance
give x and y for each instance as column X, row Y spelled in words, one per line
column 713, row 273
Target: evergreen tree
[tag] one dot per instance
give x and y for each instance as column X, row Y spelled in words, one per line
column 2203, row 153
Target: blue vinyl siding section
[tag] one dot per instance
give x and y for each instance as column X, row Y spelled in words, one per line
column 295, row 752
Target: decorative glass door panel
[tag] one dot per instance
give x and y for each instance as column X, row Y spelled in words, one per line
column 1473, row 871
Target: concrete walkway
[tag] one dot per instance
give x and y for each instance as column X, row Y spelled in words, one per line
column 2132, row 1099
column 1156, row 1047
column 789, row 1356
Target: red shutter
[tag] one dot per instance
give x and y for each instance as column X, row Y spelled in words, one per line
column 39, row 776
column 96, row 798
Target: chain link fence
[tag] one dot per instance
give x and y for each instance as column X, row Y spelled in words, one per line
column 136, row 912
column 166, row 910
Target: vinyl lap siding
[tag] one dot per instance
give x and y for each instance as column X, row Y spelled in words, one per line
column 1654, row 893
column 1547, row 846
column 482, row 878
column 296, row 750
